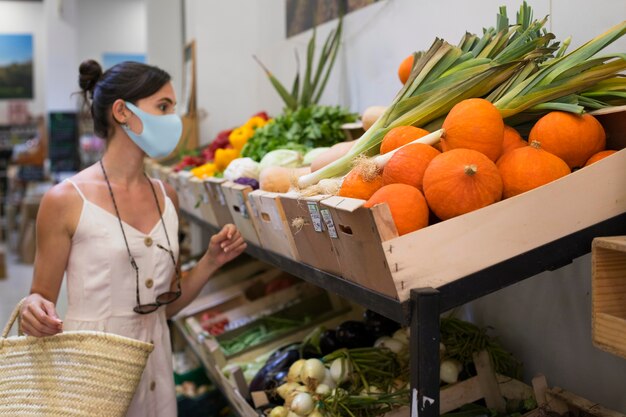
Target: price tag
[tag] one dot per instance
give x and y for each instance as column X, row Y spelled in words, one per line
column 315, row 217
column 330, row 225
column 242, row 206
column 220, row 195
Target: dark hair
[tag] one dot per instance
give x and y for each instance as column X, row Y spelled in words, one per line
column 129, row 81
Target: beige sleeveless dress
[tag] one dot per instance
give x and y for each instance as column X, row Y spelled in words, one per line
column 101, row 293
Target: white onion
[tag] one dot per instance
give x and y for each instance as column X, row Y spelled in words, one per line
column 292, row 414
column 341, row 370
column 449, row 371
column 401, row 335
column 286, row 389
column 313, row 372
column 302, row 404
column 322, row 389
column 393, row 345
column 294, row 370
column 279, row 411
column 328, row 380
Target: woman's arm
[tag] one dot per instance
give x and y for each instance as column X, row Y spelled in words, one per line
column 38, row 313
column 224, row 246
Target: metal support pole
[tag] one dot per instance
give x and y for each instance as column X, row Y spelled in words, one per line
column 424, row 349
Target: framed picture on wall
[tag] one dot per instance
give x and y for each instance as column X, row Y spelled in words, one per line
column 16, row 66
column 302, row 15
column 189, row 79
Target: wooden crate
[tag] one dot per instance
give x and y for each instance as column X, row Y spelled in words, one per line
column 243, row 215
column 452, row 249
column 187, row 198
column 272, row 224
column 217, row 200
column 310, row 231
column 608, row 294
column 205, row 208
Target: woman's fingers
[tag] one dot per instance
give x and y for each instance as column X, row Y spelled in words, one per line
column 39, row 319
column 234, row 244
column 31, row 326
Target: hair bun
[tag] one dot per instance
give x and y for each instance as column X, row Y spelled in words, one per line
column 90, row 72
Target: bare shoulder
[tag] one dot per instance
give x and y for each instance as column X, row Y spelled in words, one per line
column 60, row 208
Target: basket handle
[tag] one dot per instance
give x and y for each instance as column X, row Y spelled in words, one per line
column 15, row 315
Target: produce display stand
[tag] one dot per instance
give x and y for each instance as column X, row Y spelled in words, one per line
column 423, row 309
column 414, row 278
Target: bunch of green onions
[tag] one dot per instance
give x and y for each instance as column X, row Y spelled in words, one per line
column 519, row 68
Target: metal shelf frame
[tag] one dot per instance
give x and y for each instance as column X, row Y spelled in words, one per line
column 422, row 311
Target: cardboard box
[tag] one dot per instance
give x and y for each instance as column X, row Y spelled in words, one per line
column 371, row 253
column 217, row 200
column 274, row 230
column 243, row 215
column 311, row 229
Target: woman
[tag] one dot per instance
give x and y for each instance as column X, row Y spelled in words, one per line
column 114, row 231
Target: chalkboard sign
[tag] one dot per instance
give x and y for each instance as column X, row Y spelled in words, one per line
column 63, row 148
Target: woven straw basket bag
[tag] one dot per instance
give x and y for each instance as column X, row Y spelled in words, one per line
column 73, row 374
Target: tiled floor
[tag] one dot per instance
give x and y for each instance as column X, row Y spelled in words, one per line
column 16, row 286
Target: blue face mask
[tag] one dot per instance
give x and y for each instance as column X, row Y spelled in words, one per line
column 160, row 134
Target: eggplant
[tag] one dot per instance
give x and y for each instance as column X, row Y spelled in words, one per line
column 274, row 381
column 278, row 363
column 328, row 342
column 379, row 325
column 354, row 334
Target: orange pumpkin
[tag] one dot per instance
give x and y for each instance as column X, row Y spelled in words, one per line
column 408, row 164
column 407, row 205
column 404, row 70
column 355, row 186
column 512, row 140
column 598, row 156
column 529, row 167
column 459, row 181
column 399, row 136
column 475, row 124
column 571, row 137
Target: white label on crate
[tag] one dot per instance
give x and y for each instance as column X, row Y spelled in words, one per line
column 220, row 195
column 315, row 217
column 255, row 212
column 242, row 206
column 328, row 219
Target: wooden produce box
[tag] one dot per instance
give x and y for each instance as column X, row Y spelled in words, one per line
column 217, row 200
column 310, row 231
column 236, row 196
column 187, row 200
column 372, row 254
column 608, row 294
column 273, row 227
column 204, row 209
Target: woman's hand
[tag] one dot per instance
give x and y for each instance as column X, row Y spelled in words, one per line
column 225, row 245
column 39, row 317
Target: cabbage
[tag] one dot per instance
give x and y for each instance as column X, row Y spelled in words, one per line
column 285, row 158
column 242, row 167
column 312, row 154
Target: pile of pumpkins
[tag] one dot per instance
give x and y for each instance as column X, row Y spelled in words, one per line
column 478, row 161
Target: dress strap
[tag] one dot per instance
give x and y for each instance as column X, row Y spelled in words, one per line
column 162, row 189
column 77, row 189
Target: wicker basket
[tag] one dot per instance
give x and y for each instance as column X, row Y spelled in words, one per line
column 69, row 374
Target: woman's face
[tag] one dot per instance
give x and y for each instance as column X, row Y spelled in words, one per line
column 160, row 103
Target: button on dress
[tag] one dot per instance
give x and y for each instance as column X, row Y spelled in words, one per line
column 101, row 290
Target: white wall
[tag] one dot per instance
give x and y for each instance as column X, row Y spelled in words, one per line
column 117, row 26
column 17, row 17
column 67, row 32
column 165, row 38
column 546, row 319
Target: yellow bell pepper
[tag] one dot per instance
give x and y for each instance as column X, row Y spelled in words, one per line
column 255, row 122
column 204, row 171
column 223, row 157
column 238, row 137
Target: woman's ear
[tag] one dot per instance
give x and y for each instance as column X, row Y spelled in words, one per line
column 120, row 112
